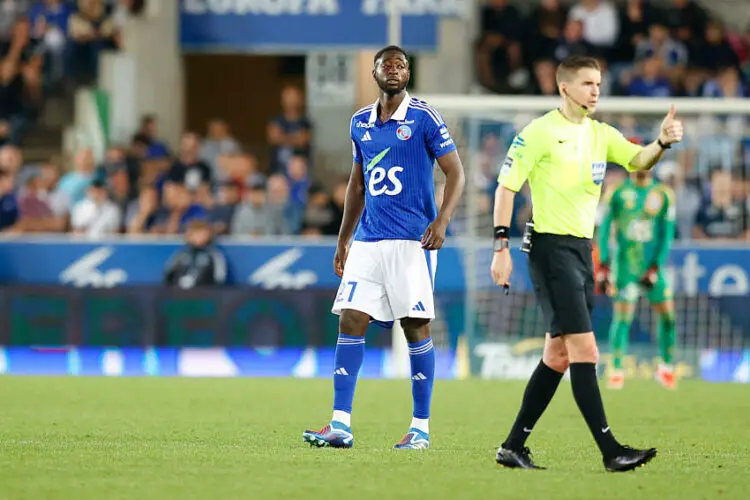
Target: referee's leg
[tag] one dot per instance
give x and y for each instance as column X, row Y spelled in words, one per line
column 573, row 298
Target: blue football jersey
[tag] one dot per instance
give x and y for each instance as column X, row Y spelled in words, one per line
column 397, row 159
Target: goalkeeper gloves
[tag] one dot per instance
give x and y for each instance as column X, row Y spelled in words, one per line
column 648, row 280
column 602, row 285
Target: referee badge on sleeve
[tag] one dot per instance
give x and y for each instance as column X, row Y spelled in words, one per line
column 598, row 170
column 507, row 164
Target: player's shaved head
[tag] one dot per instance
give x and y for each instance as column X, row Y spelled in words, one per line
column 568, row 69
column 395, row 49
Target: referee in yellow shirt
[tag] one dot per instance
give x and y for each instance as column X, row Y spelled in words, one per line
column 564, row 156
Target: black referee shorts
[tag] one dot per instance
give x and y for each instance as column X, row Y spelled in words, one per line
column 562, row 271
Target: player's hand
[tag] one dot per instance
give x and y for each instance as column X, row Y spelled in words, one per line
column 339, row 259
column 671, row 128
column 501, row 268
column 648, row 280
column 602, row 283
column 434, row 235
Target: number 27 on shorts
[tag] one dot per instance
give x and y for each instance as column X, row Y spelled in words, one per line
column 345, row 294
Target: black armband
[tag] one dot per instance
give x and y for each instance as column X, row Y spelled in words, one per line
column 502, row 232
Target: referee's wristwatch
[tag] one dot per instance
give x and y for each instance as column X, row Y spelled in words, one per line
column 662, row 144
column 501, row 244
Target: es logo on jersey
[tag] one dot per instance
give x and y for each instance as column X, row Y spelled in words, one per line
column 383, row 181
column 598, row 170
column 404, row 132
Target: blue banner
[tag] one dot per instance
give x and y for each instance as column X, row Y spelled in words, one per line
column 296, row 264
column 216, row 362
column 305, row 25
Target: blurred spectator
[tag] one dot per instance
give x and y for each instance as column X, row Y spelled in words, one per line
column 545, row 27
column 96, row 216
column 601, row 24
column 199, row 263
column 498, row 54
column 221, row 214
column 320, row 215
column 338, row 199
column 34, row 203
column 148, row 135
column 299, row 184
column 188, row 168
column 218, row 142
column 715, row 52
column 672, row 54
column 635, row 20
column 58, row 200
column 91, row 31
column 116, row 158
column 687, row 197
column 10, row 12
column 49, row 28
column 722, row 215
column 572, row 43
column 75, row 184
column 11, row 160
column 254, row 217
column 687, row 21
column 289, row 133
column 12, row 119
column 8, row 203
column 279, row 205
column 120, row 190
column 651, row 82
column 178, row 211
column 487, row 161
column 141, row 213
column 726, row 83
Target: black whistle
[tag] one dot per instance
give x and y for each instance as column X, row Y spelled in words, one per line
column 507, row 289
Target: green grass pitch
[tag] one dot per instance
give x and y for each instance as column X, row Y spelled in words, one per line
column 161, row 438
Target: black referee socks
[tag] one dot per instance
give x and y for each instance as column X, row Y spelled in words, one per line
column 539, row 391
column 589, row 400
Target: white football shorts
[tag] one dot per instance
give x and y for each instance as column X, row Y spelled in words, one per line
column 388, row 280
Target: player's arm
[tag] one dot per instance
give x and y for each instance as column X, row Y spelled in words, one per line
column 441, row 146
column 354, row 203
column 665, row 229
column 455, row 180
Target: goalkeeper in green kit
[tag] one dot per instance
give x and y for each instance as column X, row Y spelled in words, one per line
column 642, row 212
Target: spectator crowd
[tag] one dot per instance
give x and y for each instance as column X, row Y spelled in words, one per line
column 48, row 47
column 145, row 188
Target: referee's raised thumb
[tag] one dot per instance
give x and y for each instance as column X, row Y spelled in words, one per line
column 670, row 115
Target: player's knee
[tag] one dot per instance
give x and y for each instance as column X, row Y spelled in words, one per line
column 415, row 329
column 353, row 322
column 582, row 348
column 556, row 358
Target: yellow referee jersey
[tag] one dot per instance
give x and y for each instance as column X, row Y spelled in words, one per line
column 565, row 163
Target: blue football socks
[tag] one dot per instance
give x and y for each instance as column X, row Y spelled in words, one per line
column 350, row 351
column 422, row 359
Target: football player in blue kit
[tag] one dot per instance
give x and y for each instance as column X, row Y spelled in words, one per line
column 388, row 272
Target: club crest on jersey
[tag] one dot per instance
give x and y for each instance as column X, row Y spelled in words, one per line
column 404, row 132
column 654, row 202
column 598, row 169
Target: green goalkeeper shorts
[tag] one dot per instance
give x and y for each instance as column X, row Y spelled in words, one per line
column 629, row 289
